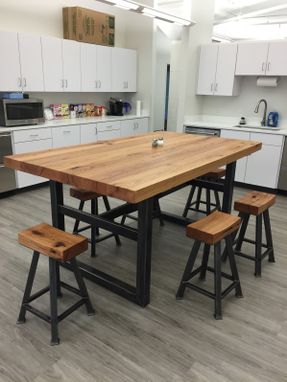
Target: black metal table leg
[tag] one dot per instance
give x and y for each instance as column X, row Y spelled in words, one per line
column 93, row 230
column 144, row 245
column 228, row 187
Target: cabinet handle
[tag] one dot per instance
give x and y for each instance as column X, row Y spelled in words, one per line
column 19, row 82
column 34, row 135
column 110, row 126
column 269, row 64
column 263, row 67
column 211, row 87
column 25, row 82
column 216, row 86
column 67, row 131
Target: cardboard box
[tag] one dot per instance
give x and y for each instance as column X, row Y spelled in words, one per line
column 86, row 25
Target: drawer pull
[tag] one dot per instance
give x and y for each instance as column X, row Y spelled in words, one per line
column 34, row 135
column 67, row 131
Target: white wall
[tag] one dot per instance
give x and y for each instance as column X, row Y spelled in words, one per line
column 244, row 104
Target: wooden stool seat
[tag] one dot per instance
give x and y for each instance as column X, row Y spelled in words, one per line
column 213, row 228
column 53, row 242
column 254, row 203
column 215, row 175
column 83, row 195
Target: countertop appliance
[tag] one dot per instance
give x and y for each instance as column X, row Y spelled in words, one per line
column 19, row 112
column 202, row 131
column 282, row 184
column 116, row 107
column 7, row 176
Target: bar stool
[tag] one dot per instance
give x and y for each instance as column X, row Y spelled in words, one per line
column 156, row 214
column 212, row 176
column 59, row 246
column 85, row 196
column 211, row 230
column 257, row 204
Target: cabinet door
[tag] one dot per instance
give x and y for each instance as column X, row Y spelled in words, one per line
column 124, row 70
column 31, row 62
column 263, row 167
column 277, row 59
column 252, row 59
column 241, row 164
column 108, row 134
column 127, row 128
column 207, row 69
column 104, row 68
column 140, row 126
column 10, row 76
column 52, row 64
column 89, row 133
column 88, row 67
column 71, row 66
column 66, row 136
column 226, row 82
column 24, row 179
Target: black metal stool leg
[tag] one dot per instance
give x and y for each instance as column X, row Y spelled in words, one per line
column 268, row 233
column 82, row 287
column 198, row 198
column 53, row 302
column 28, row 288
column 217, row 200
column 208, row 201
column 258, row 245
column 189, row 200
column 97, row 213
column 242, row 232
column 77, row 222
column 188, row 269
column 158, row 212
column 123, row 220
column 233, row 266
column 108, row 208
column 217, row 281
column 204, row 262
column 93, row 230
column 59, row 292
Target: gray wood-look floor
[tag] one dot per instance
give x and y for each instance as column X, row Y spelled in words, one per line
column 167, row 341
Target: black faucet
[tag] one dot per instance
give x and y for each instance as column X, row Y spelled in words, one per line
column 263, row 122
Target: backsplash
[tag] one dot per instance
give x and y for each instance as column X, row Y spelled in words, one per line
column 244, row 104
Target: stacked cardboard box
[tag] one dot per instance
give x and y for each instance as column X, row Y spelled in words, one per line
column 86, row 25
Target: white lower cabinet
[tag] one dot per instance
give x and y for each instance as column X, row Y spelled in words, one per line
column 241, row 163
column 24, row 179
column 66, row 136
column 109, row 130
column 134, row 127
column 89, row 133
column 263, row 166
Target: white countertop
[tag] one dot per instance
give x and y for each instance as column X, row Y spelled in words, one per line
column 75, row 121
column 217, row 122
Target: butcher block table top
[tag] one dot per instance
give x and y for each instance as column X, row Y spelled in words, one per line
column 131, row 169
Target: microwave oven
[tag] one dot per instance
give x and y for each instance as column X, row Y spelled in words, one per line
column 19, row 112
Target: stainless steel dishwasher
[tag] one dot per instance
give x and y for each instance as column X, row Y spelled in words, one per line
column 7, row 176
column 282, row 184
column 202, row 131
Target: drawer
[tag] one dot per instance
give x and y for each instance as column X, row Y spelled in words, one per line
column 106, row 126
column 66, row 136
column 235, row 134
column 89, row 133
column 267, row 139
column 32, row 135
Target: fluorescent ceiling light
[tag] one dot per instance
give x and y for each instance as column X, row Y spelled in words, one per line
column 148, row 11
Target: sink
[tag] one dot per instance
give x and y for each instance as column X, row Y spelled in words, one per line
column 256, row 126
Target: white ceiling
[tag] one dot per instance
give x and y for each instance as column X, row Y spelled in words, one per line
column 242, row 19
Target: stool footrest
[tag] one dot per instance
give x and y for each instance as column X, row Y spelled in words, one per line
column 223, row 274
column 250, row 241
column 71, row 309
column 263, row 255
column 37, row 312
column 70, row 288
column 38, row 294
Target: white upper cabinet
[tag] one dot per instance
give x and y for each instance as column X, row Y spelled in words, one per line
column 52, row 64
column 207, row 69
column 71, row 66
column 96, row 68
column 216, row 70
column 226, row 84
column 31, row 62
column 277, row 59
column 10, row 75
column 124, row 69
column 252, row 59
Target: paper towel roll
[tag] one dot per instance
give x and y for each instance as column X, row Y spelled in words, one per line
column 267, row 81
column 139, row 104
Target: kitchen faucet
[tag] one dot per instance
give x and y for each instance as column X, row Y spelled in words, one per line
column 263, row 122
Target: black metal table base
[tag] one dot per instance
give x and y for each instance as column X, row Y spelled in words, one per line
column 140, row 292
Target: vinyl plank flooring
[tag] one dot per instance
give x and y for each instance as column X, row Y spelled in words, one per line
column 168, row 341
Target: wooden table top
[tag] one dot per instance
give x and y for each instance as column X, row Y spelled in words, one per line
column 131, row 169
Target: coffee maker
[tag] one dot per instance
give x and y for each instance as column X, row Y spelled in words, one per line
column 116, row 107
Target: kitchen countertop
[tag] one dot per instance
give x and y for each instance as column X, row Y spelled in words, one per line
column 75, row 121
column 216, row 122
